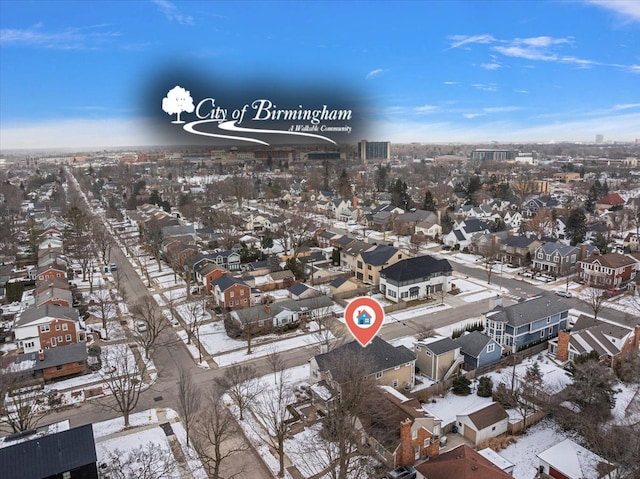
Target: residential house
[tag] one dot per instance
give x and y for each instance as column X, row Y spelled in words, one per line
column 478, row 349
column 324, row 237
column 413, row 434
column 612, row 201
column 69, row 453
column 343, row 287
column 349, row 255
column 537, row 319
column 51, row 271
column 369, row 263
column 609, row 270
column 461, row 462
column 341, row 242
column 513, row 219
column 499, row 461
column 231, row 293
column 55, row 362
column 462, row 232
column 264, row 319
column 487, row 244
column 381, row 217
column 302, row 291
column 531, row 206
column 52, row 258
column 483, row 423
column 47, row 293
column 438, row 358
column 632, row 242
column 415, row 278
column 518, row 250
column 406, row 223
column 207, row 273
column 430, row 228
column 389, row 365
column 569, row 460
column 559, row 259
column 228, row 259
column 611, row 342
column 278, row 280
column 48, row 326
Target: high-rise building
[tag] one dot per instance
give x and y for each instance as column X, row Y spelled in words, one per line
column 483, row 154
column 374, row 150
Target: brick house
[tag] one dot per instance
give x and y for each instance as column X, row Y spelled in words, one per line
column 611, row 201
column 460, row 462
column 50, row 294
column 231, row 293
column 55, row 362
column 48, row 326
column 51, row 271
column 208, row 274
column 611, row 342
column 608, row 270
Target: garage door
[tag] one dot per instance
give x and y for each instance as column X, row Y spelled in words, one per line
column 470, row 434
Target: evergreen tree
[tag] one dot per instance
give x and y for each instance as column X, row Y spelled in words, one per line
column 485, row 387
column 601, row 243
column 428, row 203
column 576, row 228
column 344, row 185
column 381, row 178
column 461, row 385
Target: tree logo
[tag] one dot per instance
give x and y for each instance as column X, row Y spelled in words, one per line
column 177, row 100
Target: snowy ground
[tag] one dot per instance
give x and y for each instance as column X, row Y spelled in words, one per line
column 112, row 426
column 187, row 310
column 447, row 407
column 627, row 407
column 554, row 377
column 538, row 438
column 193, row 350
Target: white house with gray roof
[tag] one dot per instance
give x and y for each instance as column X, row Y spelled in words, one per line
column 415, row 278
column 528, row 322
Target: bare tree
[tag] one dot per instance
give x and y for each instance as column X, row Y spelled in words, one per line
column 189, row 396
column 425, row 331
column 154, row 237
column 146, row 461
column 102, row 239
column 19, row 408
column 214, row 432
column 148, row 313
column 241, row 384
column 542, row 223
column 195, row 315
column 275, row 361
column 104, row 308
column 595, row 299
column 270, row 409
column 122, row 376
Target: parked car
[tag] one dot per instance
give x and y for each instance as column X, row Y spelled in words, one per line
column 563, row 293
column 403, row 472
column 113, row 267
column 610, row 293
column 141, row 326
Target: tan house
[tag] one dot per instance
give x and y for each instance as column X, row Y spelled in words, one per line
column 483, row 423
column 438, row 358
column 386, row 364
column 370, row 263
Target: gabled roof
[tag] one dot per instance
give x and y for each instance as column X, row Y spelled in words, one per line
column 474, row 225
column 257, row 313
column 562, row 249
column 50, row 455
column 343, row 241
column 356, row 247
column 59, row 283
column 473, row 343
column 516, row 241
column 538, row 307
column 611, row 199
column 487, row 415
column 255, row 265
column 461, row 462
column 416, row 268
column 33, row 314
column 376, row 357
column 339, row 281
column 57, row 356
column 599, row 336
column 298, row 288
column 574, row 461
column 225, row 282
column 611, row 260
column 441, row 346
column 378, row 256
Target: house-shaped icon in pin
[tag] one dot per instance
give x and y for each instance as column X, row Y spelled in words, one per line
column 363, row 317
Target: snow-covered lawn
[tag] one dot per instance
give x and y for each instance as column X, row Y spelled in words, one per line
column 447, row 407
column 168, row 281
column 193, row 350
column 187, row 310
column 215, row 340
column 105, row 428
column 466, row 286
column 160, row 300
column 554, row 377
column 260, row 350
column 538, row 438
column 627, row 407
column 472, row 298
column 177, row 294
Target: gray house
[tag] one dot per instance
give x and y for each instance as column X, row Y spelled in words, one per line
column 478, row 349
column 528, row 322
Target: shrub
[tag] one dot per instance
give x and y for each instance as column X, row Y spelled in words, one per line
column 461, row 385
column 485, row 387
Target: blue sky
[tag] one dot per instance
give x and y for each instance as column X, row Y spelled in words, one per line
column 72, row 73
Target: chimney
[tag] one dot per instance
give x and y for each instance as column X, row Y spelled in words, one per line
column 439, row 213
column 41, row 355
column 267, row 308
column 510, row 233
column 583, row 251
column 406, row 448
column 563, row 346
column 636, row 337
column 494, row 239
column 354, row 202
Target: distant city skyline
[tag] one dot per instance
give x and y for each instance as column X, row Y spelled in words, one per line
column 72, row 73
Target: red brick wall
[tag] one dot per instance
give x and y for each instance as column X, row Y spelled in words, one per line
column 406, row 452
column 45, row 337
column 563, row 346
column 65, row 370
column 212, row 276
column 243, row 300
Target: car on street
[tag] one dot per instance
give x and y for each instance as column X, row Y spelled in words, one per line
column 563, row 293
column 403, row 472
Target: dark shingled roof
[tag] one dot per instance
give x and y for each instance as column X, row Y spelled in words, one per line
column 57, row 356
column 49, row 455
column 378, row 256
column 48, row 310
column 488, row 416
column 336, row 283
column 518, row 241
column 225, row 282
column 378, row 356
column 415, row 268
column 442, row 346
column 298, row 288
column 519, row 314
column 473, row 343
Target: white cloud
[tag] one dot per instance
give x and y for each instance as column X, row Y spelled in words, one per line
column 171, row 12
column 501, row 109
column 543, row 41
column 77, row 38
column 425, row 109
column 629, row 10
column 472, row 115
column 460, row 40
column 626, row 106
column 521, row 91
column 485, row 87
column 491, row 66
column 449, row 82
column 374, row 73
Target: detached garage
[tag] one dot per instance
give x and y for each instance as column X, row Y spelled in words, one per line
column 483, row 423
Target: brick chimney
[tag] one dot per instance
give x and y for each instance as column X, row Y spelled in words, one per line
column 267, row 308
column 406, row 453
column 433, row 449
column 563, row 346
column 583, row 251
column 41, row 355
column 636, row 337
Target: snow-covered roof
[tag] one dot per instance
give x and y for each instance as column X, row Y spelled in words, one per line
column 573, row 460
column 496, row 458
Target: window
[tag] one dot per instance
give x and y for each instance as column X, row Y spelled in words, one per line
column 359, row 264
column 491, row 348
column 426, row 442
column 57, row 327
column 59, row 367
column 29, row 344
column 231, row 294
column 396, row 368
column 237, row 302
column 550, row 331
column 242, row 292
column 493, row 428
column 542, row 333
column 378, row 375
column 44, row 328
column 427, row 352
column 370, row 278
column 395, row 383
column 414, row 434
column 65, row 327
column 230, row 304
column 67, row 337
column 548, row 320
column 59, row 339
column 53, row 342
